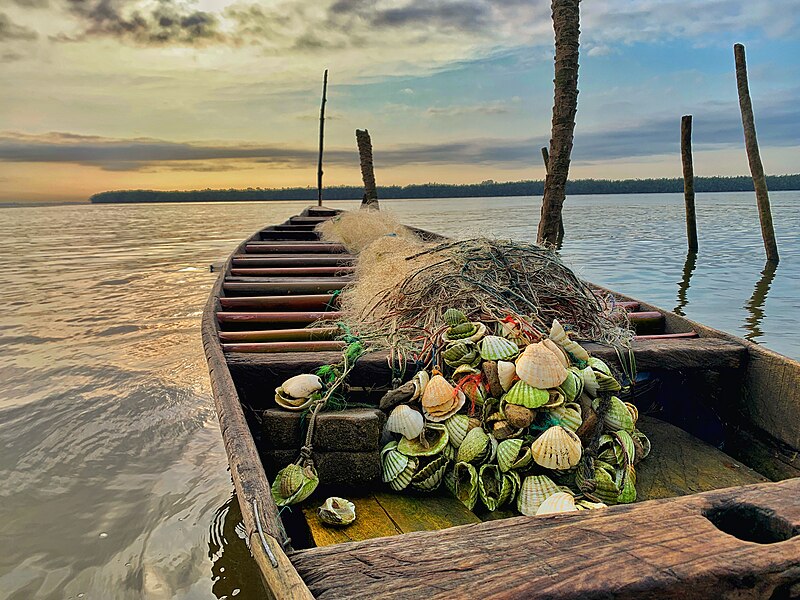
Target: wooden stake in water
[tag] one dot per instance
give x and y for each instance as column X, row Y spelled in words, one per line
column 566, row 24
column 688, row 181
column 367, row 169
column 754, row 156
column 321, row 136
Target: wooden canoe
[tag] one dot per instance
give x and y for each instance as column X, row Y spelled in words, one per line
column 721, row 490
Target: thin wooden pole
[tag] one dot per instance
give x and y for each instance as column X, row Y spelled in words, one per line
column 367, row 169
column 688, row 181
column 546, row 158
column 321, row 136
column 754, row 156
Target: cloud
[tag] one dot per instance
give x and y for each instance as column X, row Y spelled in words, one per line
column 10, row 31
column 484, row 108
column 167, row 22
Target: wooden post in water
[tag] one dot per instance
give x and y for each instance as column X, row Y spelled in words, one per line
column 566, row 24
column 321, row 136
column 688, row 181
column 754, row 156
column 546, row 158
column 367, row 170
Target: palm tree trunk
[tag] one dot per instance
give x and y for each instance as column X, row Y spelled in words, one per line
column 566, row 23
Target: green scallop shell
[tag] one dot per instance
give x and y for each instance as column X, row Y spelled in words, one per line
column 475, row 447
column 618, row 416
column 463, row 484
column 430, row 477
column 494, row 489
column 453, row 317
column 493, row 347
column 294, row 484
column 434, row 439
column 525, row 395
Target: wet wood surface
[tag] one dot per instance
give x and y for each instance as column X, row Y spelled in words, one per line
column 659, row 549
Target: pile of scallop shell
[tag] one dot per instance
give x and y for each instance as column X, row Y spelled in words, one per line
column 508, row 424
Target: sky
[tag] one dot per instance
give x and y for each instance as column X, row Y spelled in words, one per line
column 181, row 94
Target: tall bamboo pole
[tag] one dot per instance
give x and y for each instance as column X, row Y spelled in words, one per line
column 367, row 169
column 754, row 156
column 688, row 181
column 566, row 24
column 321, row 136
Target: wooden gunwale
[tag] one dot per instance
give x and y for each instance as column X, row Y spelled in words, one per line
column 251, row 482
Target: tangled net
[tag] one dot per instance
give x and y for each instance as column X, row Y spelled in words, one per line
column 402, row 289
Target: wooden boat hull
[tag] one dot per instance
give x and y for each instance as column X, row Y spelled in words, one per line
column 751, row 392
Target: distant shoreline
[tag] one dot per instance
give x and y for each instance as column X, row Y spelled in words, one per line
column 485, row 189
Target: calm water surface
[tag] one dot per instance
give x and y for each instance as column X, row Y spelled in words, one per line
column 114, row 477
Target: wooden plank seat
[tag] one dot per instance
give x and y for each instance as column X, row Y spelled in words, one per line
column 276, row 318
column 280, row 335
column 291, row 271
column 692, row 546
column 290, row 247
column 302, row 260
column 309, row 302
column 283, row 347
column 275, row 287
column 291, row 235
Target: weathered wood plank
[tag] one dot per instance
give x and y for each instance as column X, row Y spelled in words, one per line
column 658, row 549
column 277, row 317
column 280, row 580
column 278, row 303
column 292, row 260
column 283, row 347
column 286, row 288
column 307, row 247
column 290, row 271
column 371, row 522
column 680, row 464
column 280, row 335
column 679, row 354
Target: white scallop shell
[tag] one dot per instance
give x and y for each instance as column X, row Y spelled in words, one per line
column 406, row 421
column 506, row 371
column 302, row 386
column 560, row 502
column 557, row 351
column 540, row 368
column 557, row 448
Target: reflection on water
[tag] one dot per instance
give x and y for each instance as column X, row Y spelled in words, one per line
column 683, row 286
column 115, row 481
column 755, row 305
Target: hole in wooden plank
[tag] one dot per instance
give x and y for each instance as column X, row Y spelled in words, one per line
column 751, row 523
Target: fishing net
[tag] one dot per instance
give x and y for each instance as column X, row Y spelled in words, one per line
column 403, row 286
column 358, row 229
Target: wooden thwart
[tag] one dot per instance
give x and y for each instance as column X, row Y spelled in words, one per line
column 659, row 549
column 280, row 335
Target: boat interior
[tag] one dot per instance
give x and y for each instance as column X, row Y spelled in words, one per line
column 720, row 412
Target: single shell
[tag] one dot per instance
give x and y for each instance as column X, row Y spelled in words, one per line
column 462, row 482
column 406, row 421
column 599, row 365
column 337, row 511
column 626, row 482
column 432, row 441
column 556, row 399
column 560, row 337
column 606, row 383
column 457, row 426
column 294, row 484
column 568, row 415
column 517, row 416
column 494, row 489
column 603, row 487
column 429, row 477
column 402, row 481
column 535, row 489
column 506, row 372
column 302, row 386
column 471, row 331
column 560, row 502
column 573, row 385
column 642, row 443
column 464, row 371
column 523, row 394
column 453, row 317
column 540, row 368
column 557, row 448
column 475, row 447
column 557, row 351
column 290, row 403
column 437, row 414
column 420, row 380
column 617, row 416
column 449, row 452
column 493, row 347
column 511, row 454
column 634, row 412
column 590, row 385
column 585, row 504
